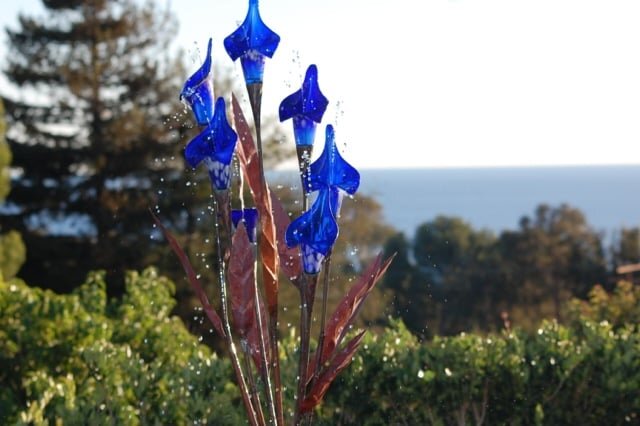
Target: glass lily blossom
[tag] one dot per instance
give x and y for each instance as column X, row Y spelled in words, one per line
column 214, row 146
column 316, row 230
column 306, row 107
column 252, row 42
column 250, row 218
column 198, row 91
column 331, row 170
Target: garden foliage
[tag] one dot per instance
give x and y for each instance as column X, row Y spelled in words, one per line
column 12, row 250
column 83, row 359
column 86, row 360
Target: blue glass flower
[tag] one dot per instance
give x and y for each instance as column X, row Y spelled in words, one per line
column 198, row 91
column 214, row 146
column 252, row 42
column 250, row 218
column 315, row 231
column 306, row 107
column 331, row 170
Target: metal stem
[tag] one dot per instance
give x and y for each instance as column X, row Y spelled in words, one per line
column 323, row 318
column 307, row 290
column 255, row 397
column 264, row 371
column 255, row 99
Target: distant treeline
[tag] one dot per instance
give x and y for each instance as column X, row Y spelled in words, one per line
column 451, row 277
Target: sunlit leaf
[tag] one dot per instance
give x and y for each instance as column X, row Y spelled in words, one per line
column 338, row 363
column 242, row 292
column 350, row 305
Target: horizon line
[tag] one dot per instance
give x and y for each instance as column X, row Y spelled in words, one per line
column 294, row 167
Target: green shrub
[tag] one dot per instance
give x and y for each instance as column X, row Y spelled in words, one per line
column 12, row 249
column 83, row 359
column 589, row 376
column 12, row 253
column 619, row 308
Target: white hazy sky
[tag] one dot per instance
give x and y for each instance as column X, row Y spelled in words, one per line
column 431, row 83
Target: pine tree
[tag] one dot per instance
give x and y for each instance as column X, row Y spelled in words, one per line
column 91, row 137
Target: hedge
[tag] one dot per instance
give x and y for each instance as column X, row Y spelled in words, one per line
column 83, row 359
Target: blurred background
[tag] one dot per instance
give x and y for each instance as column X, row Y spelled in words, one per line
column 498, row 146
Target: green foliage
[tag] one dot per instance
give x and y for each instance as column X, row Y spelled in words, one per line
column 12, row 250
column 87, row 360
column 556, row 375
column 83, row 359
column 618, row 308
column 12, row 254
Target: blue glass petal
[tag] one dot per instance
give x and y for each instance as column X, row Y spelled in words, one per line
column 306, row 107
column 316, row 230
column 308, row 101
column 215, row 145
column 199, row 148
column 330, row 169
column 251, row 221
column 252, row 41
column 253, row 34
column 250, row 218
column 224, row 137
column 217, row 141
column 236, row 217
column 198, row 91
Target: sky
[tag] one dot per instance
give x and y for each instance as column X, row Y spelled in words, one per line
column 431, row 83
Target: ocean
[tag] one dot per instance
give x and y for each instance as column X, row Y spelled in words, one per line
column 496, row 198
